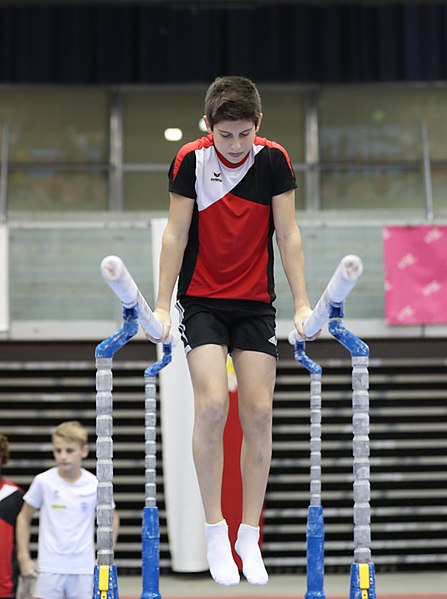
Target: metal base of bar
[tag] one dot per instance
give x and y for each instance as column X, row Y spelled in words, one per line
column 363, row 585
column 105, row 582
column 315, row 553
column 151, row 552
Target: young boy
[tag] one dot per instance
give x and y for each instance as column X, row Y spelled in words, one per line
column 229, row 192
column 66, row 498
column 10, row 503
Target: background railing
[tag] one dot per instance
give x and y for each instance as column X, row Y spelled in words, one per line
column 102, row 148
column 56, row 290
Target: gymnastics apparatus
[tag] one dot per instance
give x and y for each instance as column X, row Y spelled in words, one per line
column 330, row 308
column 136, row 312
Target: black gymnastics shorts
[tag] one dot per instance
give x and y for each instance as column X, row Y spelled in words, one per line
column 238, row 324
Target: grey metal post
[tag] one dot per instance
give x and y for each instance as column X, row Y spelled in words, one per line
column 428, row 188
column 315, row 521
column 361, row 465
column 362, row 569
column 151, row 529
column 104, row 460
column 150, row 433
column 104, row 435
column 115, row 200
column 315, row 439
column 312, row 180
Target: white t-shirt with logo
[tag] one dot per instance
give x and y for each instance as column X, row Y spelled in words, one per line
column 66, row 521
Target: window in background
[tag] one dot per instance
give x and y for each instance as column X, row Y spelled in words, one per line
column 284, row 120
column 45, row 189
column 146, row 115
column 146, row 191
column 368, row 151
column 58, row 148
column 371, row 148
column 147, row 153
column 284, row 123
column 372, row 188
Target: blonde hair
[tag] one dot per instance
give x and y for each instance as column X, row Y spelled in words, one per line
column 4, row 449
column 72, row 430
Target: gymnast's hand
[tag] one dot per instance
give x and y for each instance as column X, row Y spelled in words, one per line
column 300, row 317
column 164, row 317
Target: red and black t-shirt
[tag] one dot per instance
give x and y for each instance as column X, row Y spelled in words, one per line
column 229, row 254
column 10, row 504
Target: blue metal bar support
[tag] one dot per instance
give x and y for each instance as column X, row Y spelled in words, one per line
column 362, row 570
column 315, row 521
column 151, row 529
column 105, row 582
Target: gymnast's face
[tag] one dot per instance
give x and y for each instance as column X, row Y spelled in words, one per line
column 234, row 139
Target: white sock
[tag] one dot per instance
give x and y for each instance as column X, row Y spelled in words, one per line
column 247, row 547
column 220, row 559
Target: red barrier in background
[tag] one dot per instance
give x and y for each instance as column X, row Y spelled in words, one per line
column 232, row 479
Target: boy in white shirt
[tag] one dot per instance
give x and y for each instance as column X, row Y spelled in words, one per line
column 66, row 498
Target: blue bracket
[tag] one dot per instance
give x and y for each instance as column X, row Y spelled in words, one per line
column 303, row 358
column 351, row 342
column 109, row 347
column 157, row 366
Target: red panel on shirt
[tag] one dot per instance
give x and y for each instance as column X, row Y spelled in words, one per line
column 233, row 251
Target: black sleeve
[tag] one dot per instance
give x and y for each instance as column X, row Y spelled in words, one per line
column 283, row 178
column 182, row 175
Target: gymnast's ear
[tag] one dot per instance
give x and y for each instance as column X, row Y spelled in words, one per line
column 207, row 123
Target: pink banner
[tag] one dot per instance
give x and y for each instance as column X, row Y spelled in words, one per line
column 415, row 274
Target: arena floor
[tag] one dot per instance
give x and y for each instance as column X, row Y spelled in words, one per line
column 431, row 585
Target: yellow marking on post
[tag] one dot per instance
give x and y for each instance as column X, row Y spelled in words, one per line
column 103, row 580
column 364, row 578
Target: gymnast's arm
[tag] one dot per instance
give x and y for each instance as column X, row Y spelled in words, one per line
column 175, row 238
